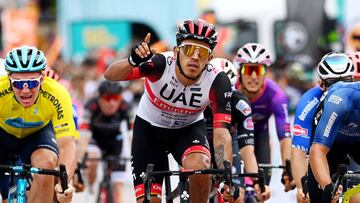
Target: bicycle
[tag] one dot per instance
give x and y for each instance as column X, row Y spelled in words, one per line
column 106, row 193
column 340, row 178
column 250, row 196
column 23, row 174
column 182, row 189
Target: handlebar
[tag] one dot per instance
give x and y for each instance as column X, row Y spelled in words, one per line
column 25, row 169
column 338, row 178
column 261, row 179
column 63, row 177
column 287, row 168
column 226, row 173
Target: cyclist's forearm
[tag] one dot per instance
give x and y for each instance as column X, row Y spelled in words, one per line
column 319, row 164
column 119, row 70
column 82, row 145
column 222, row 146
column 248, row 156
column 67, row 154
column 285, row 145
column 298, row 165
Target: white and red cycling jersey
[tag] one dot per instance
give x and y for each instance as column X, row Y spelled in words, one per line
column 168, row 103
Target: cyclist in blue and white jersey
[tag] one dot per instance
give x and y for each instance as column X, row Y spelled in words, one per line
column 333, row 67
column 336, row 136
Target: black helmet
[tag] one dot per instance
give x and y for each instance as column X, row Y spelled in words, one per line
column 197, row 29
column 108, row 87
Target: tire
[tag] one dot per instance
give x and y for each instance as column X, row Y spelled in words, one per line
column 105, row 193
column 251, row 200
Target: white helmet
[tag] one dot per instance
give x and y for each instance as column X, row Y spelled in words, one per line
column 226, row 66
column 253, row 53
column 335, row 65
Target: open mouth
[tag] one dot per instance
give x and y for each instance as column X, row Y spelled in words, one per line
column 26, row 98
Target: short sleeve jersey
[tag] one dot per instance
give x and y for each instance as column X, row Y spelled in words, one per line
column 303, row 119
column 273, row 100
column 52, row 105
column 340, row 118
column 167, row 103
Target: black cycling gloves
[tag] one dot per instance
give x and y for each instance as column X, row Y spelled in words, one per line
column 134, row 59
column 327, row 194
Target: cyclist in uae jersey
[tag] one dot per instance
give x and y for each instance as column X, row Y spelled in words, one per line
column 266, row 99
column 336, row 136
column 333, row 67
column 242, row 131
column 179, row 85
column 36, row 121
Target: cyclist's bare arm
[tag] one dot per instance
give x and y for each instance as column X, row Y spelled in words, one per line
column 298, row 165
column 248, row 156
column 319, row 164
column 120, row 70
column 67, row 154
column 222, row 146
column 285, row 145
column 82, row 144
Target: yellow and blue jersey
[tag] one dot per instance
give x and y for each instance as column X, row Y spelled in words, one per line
column 52, row 105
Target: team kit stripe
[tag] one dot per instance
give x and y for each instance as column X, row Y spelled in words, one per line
column 166, row 107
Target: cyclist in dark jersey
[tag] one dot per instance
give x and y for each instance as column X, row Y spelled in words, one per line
column 102, row 118
column 336, row 136
column 333, row 67
column 179, row 85
column 242, row 129
column 266, row 99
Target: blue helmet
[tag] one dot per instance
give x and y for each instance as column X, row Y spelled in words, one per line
column 25, row 59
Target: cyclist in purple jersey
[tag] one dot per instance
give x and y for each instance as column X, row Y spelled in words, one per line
column 242, row 133
column 266, row 98
column 332, row 68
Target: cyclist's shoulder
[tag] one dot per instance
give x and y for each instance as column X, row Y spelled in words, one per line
column 53, row 90
column 238, row 96
column 92, row 104
column 53, row 85
column 312, row 95
column 272, row 88
column 163, row 58
column 350, row 88
column 4, row 85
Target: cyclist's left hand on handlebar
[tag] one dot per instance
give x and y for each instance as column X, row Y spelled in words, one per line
column 262, row 196
column 226, row 194
column 289, row 185
column 65, row 197
column 327, row 193
column 301, row 197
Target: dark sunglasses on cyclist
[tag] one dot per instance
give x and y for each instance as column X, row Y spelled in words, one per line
column 248, row 68
column 331, row 81
column 356, row 37
column 109, row 97
column 21, row 83
column 189, row 50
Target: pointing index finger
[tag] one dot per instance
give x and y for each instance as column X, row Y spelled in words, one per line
column 147, row 38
